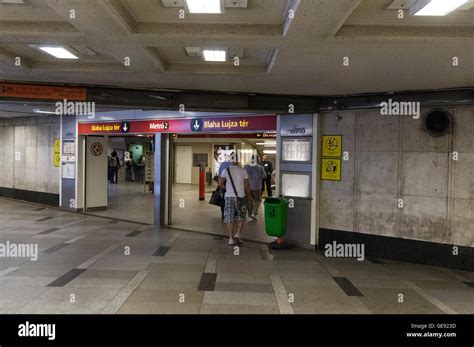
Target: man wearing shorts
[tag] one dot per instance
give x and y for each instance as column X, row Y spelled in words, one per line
column 234, row 217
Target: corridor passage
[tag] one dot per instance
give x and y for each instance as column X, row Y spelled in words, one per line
column 90, row 264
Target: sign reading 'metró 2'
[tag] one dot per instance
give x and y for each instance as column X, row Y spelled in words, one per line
column 210, row 124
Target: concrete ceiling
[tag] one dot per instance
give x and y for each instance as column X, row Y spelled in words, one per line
column 301, row 55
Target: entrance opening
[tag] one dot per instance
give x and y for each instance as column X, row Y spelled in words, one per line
column 129, row 162
column 195, row 155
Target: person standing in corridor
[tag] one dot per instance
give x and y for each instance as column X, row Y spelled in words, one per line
column 256, row 174
column 114, row 167
column 268, row 167
column 235, row 181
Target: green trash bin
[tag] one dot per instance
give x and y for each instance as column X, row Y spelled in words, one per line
column 276, row 212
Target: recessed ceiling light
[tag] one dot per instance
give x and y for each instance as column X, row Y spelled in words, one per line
column 204, row 6
column 435, row 7
column 214, row 55
column 269, row 151
column 58, row 52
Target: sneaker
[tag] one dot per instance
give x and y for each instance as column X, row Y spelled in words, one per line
column 231, row 242
column 254, row 219
column 249, row 219
column 238, row 241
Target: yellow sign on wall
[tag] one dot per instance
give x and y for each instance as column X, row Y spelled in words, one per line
column 57, row 153
column 57, row 146
column 57, row 159
column 331, row 169
column 332, row 146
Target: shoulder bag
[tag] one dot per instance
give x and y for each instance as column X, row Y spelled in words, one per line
column 241, row 203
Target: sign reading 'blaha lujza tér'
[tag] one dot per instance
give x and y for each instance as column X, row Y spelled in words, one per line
column 195, row 125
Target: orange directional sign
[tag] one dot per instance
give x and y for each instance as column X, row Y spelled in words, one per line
column 30, row 91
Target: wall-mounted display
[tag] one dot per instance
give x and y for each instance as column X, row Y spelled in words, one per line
column 296, row 185
column 69, row 147
column 298, row 149
column 68, row 171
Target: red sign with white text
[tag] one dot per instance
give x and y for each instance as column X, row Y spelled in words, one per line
column 194, row 125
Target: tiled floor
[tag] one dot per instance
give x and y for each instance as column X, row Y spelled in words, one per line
column 128, row 201
column 90, row 264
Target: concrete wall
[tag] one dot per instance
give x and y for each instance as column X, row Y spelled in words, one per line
column 32, row 139
column 393, row 158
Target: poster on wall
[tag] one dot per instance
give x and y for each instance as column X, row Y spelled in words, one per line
column 221, row 153
column 69, row 147
column 68, row 170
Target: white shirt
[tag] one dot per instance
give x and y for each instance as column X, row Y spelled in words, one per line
column 238, row 175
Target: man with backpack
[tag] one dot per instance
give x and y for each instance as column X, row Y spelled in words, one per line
column 114, row 166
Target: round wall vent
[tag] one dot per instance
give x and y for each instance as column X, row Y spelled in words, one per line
column 438, row 122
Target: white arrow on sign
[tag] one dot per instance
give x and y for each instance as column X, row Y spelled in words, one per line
column 196, row 125
column 125, row 127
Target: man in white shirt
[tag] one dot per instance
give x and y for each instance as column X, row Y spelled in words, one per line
column 235, row 211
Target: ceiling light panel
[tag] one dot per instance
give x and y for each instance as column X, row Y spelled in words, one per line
column 204, row 6
column 214, row 55
column 58, row 52
column 435, row 7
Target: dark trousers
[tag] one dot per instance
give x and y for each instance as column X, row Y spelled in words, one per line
column 114, row 174
column 268, row 182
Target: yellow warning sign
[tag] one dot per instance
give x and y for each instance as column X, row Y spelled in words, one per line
column 57, row 153
column 332, row 146
column 57, row 146
column 331, row 169
column 57, row 159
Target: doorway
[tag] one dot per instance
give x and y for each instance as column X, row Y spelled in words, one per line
column 185, row 210
column 118, row 183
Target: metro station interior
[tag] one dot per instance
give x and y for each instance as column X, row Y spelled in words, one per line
column 360, row 114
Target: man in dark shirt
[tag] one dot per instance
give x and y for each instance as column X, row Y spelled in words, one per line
column 268, row 166
column 114, row 167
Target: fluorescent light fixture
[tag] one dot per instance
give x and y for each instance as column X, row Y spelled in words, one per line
column 37, row 110
column 58, row 52
column 435, row 7
column 214, row 55
column 269, row 151
column 204, row 6
column 267, row 144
